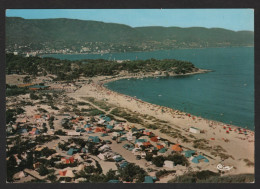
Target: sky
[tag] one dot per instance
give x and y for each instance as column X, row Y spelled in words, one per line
column 233, row 19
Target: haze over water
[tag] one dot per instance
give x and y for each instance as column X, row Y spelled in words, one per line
column 225, row 95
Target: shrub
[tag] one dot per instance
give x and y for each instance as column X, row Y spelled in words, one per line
column 149, row 157
column 192, row 177
column 132, row 171
column 158, row 161
column 60, row 132
column 43, row 170
column 33, row 96
column 178, row 159
column 163, row 173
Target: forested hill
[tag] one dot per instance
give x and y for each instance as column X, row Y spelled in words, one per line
column 61, row 33
column 69, row 70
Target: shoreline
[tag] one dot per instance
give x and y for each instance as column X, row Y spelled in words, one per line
column 212, row 132
column 201, row 71
column 141, row 51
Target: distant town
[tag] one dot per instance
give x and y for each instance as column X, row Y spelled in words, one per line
column 101, row 48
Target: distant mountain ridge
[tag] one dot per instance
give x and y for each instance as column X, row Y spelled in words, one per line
column 72, row 32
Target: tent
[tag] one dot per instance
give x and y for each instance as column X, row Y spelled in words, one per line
column 71, row 151
column 107, row 119
column 87, row 126
column 20, row 131
column 159, row 146
column 140, row 140
column 94, row 139
column 134, row 129
column 37, row 116
column 189, row 153
column 147, row 132
column 99, row 129
column 118, row 159
column 147, row 144
column 114, row 181
column 148, row 179
column 122, row 139
column 67, row 160
column 88, row 129
column 199, row 158
column 126, row 146
column 104, row 134
column 195, row 160
column 176, row 148
column 63, row 173
column 109, row 127
column 163, row 150
column 154, row 139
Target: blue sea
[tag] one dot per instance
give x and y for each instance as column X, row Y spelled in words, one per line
column 226, row 94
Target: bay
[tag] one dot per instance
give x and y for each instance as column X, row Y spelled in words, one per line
column 226, row 94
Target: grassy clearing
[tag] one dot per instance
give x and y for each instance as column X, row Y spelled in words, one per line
column 128, row 116
column 101, row 104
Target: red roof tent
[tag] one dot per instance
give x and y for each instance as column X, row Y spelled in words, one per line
column 177, row 148
column 147, row 144
column 37, row 116
column 99, row 129
column 154, row 139
column 159, row 146
column 62, row 173
column 68, row 160
column 147, row 132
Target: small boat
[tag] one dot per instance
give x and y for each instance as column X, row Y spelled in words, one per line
column 159, row 95
column 198, row 78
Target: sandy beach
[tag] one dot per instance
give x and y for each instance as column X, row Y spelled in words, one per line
column 240, row 147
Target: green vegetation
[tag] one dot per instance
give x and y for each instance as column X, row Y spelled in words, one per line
column 45, row 34
column 163, row 173
column 158, row 161
column 212, row 177
column 178, row 159
column 128, row 116
column 60, row 132
column 14, row 90
column 11, row 113
column 102, row 104
column 71, row 70
column 45, row 138
column 131, row 172
column 201, row 144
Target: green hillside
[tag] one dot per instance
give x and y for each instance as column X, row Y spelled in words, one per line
column 46, row 34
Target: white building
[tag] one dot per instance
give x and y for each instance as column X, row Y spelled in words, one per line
column 73, row 133
column 168, row 164
column 194, row 130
